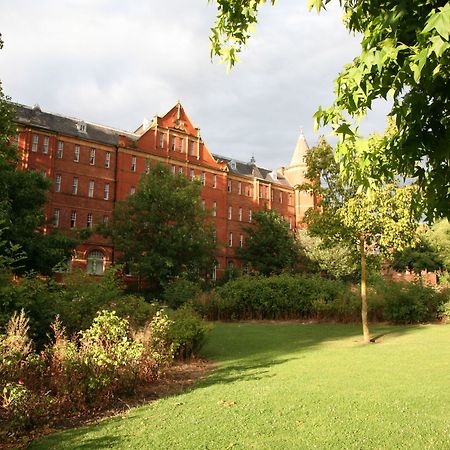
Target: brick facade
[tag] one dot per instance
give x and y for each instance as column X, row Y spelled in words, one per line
column 92, row 167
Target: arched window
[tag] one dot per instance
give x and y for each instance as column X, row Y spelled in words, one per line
column 96, row 263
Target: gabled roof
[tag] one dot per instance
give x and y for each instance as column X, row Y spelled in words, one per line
column 25, row 115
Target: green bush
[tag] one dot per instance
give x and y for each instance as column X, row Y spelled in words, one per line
column 187, row 332
column 278, row 297
column 408, row 302
column 179, row 292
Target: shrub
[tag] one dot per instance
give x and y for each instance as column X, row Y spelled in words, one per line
column 187, row 332
column 277, row 297
column 109, row 355
column 408, row 302
column 179, row 292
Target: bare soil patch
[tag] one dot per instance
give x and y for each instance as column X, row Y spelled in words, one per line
column 177, row 378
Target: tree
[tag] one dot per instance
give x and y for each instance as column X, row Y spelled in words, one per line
column 162, row 230
column 405, row 54
column 23, row 195
column 380, row 222
column 333, row 260
column 269, row 247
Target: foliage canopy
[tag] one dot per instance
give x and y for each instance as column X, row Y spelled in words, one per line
column 405, row 54
column 162, row 231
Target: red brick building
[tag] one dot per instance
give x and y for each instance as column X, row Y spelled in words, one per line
column 93, row 166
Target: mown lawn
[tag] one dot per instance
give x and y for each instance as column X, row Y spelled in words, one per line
column 296, row 386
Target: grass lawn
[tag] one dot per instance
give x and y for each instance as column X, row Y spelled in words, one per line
column 295, row 386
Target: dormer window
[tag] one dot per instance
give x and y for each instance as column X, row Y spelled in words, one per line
column 81, row 126
column 233, row 165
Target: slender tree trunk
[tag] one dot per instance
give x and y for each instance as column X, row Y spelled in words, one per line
column 365, row 323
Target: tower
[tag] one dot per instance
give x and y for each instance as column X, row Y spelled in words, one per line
column 295, row 174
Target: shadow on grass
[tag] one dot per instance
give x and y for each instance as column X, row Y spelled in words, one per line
column 244, row 352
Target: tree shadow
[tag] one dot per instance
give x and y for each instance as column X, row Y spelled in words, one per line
column 242, row 352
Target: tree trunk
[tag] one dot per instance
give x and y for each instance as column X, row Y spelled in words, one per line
column 365, row 323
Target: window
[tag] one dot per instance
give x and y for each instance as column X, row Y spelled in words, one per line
column 106, row 192
column 180, row 170
column 192, row 174
column 34, row 144
column 214, row 273
column 214, row 183
column 105, row 220
column 95, row 263
column 76, row 153
column 290, row 223
column 91, row 189
column 214, row 235
column 230, row 240
column 56, row 217
column 250, row 215
column 174, row 170
column 271, row 194
column 239, row 188
column 290, row 199
column 81, row 126
column 173, row 141
column 191, row 148
column 161, row 140
column 133, row 163
column 180, row 144
column 240, row 214
column 58, row 183
column 107, row 159
column 60, row 150
column 45, row 147
column 229, row 186
column 281, row 197
column 89, row 220
column 230, row 212
column 214, row 209
column 241, row 240
column 75, row 186
column 203, row 178
column 132, row 190
column 147, row 166
column 73, row 219
column 92, row 157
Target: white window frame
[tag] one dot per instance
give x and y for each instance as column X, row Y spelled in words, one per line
column 56, row 217
column 76, row 153
column 214, row 209
column 230, row 186
column 214, row 183
column 133, row 163
column 89, row 220
column 240, row 188
column 60, row 150
column 45, row 145
column 73, row 219
column 91, row 188
column 106, row 191
column 35, row 143
column 107, row 160
column 58, row 180
column 230, row 239
column 240, row 214
column 75, row 186
column 230, row 212
column 92, row 157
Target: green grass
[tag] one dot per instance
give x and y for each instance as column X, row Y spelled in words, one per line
column 294, row 386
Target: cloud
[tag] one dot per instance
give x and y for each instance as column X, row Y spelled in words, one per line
column 116, row 62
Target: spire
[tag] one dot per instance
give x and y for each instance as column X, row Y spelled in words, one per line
column 300, row 151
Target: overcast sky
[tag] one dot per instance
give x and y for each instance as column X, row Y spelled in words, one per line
column 115, row 63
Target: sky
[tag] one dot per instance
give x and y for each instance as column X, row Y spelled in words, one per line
column 116, row 62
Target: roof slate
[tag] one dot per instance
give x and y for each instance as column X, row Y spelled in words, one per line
column 26, row 115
